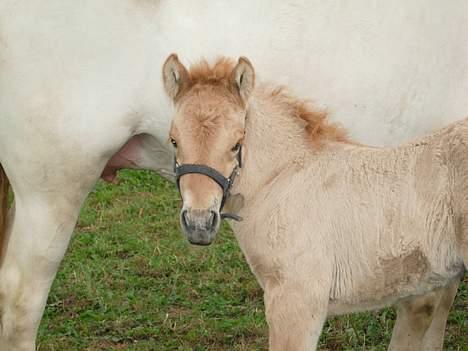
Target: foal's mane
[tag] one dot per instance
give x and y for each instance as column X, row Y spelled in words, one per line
column 219, row 72
column 317, row 125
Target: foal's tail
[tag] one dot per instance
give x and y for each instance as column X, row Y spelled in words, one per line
column 4, row 188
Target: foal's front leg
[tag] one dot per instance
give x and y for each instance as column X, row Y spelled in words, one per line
column 295, row 315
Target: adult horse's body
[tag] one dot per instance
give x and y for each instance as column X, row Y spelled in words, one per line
column 80, row 80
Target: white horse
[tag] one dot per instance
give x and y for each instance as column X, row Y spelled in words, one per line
column 81, row 96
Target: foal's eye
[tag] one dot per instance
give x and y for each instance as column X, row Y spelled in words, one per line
column 236, row 147
column 173, row 142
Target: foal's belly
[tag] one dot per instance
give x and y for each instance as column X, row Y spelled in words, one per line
column 378, row 293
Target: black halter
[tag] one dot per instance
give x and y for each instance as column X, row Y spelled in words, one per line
column 222, row 181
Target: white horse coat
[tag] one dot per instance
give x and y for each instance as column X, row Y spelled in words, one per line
column 78, row 80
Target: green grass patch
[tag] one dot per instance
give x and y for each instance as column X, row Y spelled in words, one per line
column 130, row 281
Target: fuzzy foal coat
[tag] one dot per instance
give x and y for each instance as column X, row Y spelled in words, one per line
column 329, row 226
column 332, row 227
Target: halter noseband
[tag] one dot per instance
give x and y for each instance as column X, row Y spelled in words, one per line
column 222, row 181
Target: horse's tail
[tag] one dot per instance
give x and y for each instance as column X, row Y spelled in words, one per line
column 4, row 188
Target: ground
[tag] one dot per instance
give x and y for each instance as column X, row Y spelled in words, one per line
column 130, row 281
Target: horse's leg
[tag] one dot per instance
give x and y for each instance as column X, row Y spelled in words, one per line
column 421, row 321
column 39, row 230
column 295, row 319
column 434, row 337
column 414, row 316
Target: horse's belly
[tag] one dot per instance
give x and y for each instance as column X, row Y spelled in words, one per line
column 382, row 291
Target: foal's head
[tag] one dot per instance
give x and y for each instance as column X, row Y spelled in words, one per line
column 207, row 133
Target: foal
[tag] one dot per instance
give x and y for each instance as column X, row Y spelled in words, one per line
column 329, row 227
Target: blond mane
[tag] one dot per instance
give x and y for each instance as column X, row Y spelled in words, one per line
column 317, row 126
column 219, row 72
column 316, row 123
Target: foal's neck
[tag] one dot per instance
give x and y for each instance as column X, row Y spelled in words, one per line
column 274, row 141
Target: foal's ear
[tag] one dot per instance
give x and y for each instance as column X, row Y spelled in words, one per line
column 175, row 76
column 243, row 77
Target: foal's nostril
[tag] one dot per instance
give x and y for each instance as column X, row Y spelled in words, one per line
column 183, row 218
column 213, row 220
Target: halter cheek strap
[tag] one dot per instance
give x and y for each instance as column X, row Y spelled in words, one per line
column 222, row 181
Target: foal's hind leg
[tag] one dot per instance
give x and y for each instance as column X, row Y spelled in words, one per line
column 420, row 323
column 37, row 238
column 414, row 317
column 434, row 337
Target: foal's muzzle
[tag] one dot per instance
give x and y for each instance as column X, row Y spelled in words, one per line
column 200, row 226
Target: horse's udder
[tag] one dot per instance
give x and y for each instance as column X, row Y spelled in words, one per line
column 125, row 157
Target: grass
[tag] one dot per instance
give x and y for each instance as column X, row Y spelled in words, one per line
column 130, row 281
